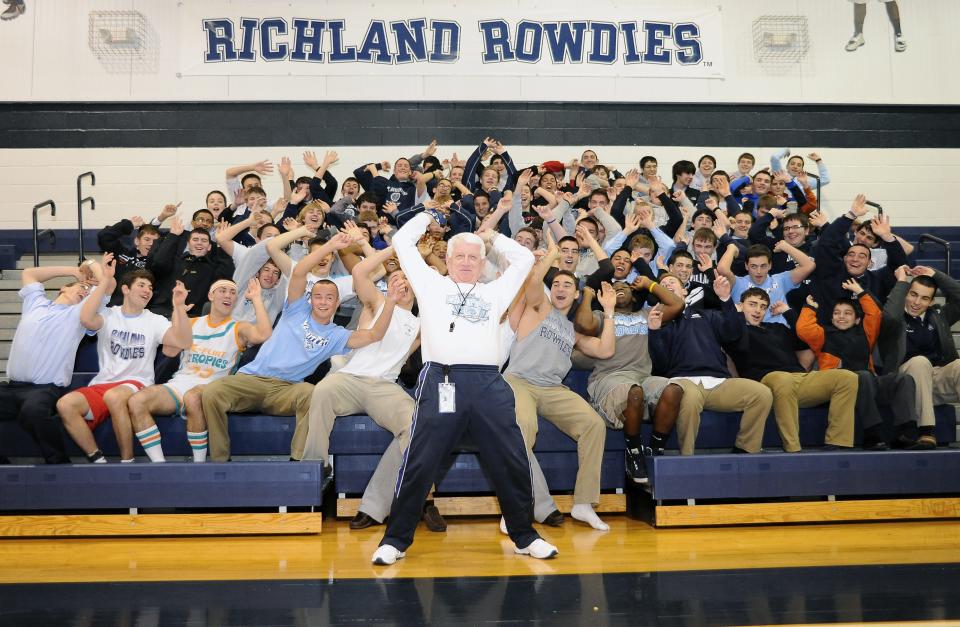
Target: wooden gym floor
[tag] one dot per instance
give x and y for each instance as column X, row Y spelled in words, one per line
column 469, row 575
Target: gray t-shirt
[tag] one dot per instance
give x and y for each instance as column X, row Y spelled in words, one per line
column 632, row 354
column 247, row 263
column 543, row 356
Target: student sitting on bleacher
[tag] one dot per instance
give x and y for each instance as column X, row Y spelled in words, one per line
column 540, row 359
column 254, row 263
column 765, row 352
column 127, row 340
column 916, row 338
column 367, row 385
column 838, row 261
column 40, row 370
column 197, row 268
column 848, row 343
column 218, row 341
column 111, row 240
column 621, row 387
column 688, row 350
column 304, row 337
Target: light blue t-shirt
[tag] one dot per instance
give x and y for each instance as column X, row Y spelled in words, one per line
column 298, row 345
column 776, row 286
column 45, row 343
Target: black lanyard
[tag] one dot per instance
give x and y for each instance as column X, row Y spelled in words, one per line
column 463, row 302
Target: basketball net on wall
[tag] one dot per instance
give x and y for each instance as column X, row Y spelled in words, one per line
column 123, row 42
column 780, row 42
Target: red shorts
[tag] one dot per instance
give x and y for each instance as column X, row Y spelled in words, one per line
column 94, row 396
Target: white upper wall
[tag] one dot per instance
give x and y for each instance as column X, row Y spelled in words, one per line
column 775, row 51
column 908, row 183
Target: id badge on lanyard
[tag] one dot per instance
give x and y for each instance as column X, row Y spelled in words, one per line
column 447, row 394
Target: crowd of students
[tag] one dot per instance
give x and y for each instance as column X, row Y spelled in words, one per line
column 727, row 291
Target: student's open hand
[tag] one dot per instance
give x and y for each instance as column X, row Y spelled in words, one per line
column 851, row 285
column 902, row 273
column 286, row 168
column 176, row 227
column 608, row 297
column 818, row 219
column 859, row 206
column 811, row 302
column 253, row 290
column 655, row 318
column 778, row 308
column 722, row 287
column 169, row 210
column 297, row 195
column 921, row 271
column 180, row 296
column 263, row 167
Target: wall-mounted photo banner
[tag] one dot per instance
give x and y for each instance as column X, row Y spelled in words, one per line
column 313, row 39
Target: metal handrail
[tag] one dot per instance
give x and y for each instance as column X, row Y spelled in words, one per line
column 816, row 177
column 80, row 202
column 928, row 237
column 37, row 234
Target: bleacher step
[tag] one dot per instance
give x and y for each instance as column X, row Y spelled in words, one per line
column 11, row 275
column 5, row 350
column 6, row 335
column 65, row 259
column 10, row 308
column 10, row 296
column 15, row 284
column 9, row 320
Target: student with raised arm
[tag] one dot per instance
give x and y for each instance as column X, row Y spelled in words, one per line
column 38, row 378
column 367, row 385
column 541, row 358
column 218, row 341
column 127, row 340
column 838, row 260
column 460, row 386
column 848, row 343
column 759, row 262
column 304, row 337
column 254, row 262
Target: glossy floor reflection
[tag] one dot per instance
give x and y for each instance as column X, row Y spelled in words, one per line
column 719, row 597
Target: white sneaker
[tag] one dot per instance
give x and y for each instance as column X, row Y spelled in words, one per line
column 900, row 43
column 539, row 548
column 386, row 555
column 503, row 526
column 855, row 42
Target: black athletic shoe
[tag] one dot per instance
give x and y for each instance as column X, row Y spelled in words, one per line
column 554, row 519
column 362, row 520
column 637, row 464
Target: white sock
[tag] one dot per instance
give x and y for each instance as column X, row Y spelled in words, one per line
column 584, row 513
column 198, row 444
column 150, row 441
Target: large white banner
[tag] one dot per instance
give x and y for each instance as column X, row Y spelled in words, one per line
column 314, row 39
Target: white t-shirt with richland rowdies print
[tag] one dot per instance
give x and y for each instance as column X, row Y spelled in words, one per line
column 127, row 345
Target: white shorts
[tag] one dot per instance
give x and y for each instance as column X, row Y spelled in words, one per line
column 177, row 387
column 609, row 395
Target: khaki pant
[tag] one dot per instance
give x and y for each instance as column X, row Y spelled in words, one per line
column 936, row 385
column 750, row 397
column 793, row 390
column 248, row 393
column 572, row 415
column 340, row 394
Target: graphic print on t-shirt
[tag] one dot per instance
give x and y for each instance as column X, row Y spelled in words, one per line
column 312, row 341
column 469, row 307
column 127, row 345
